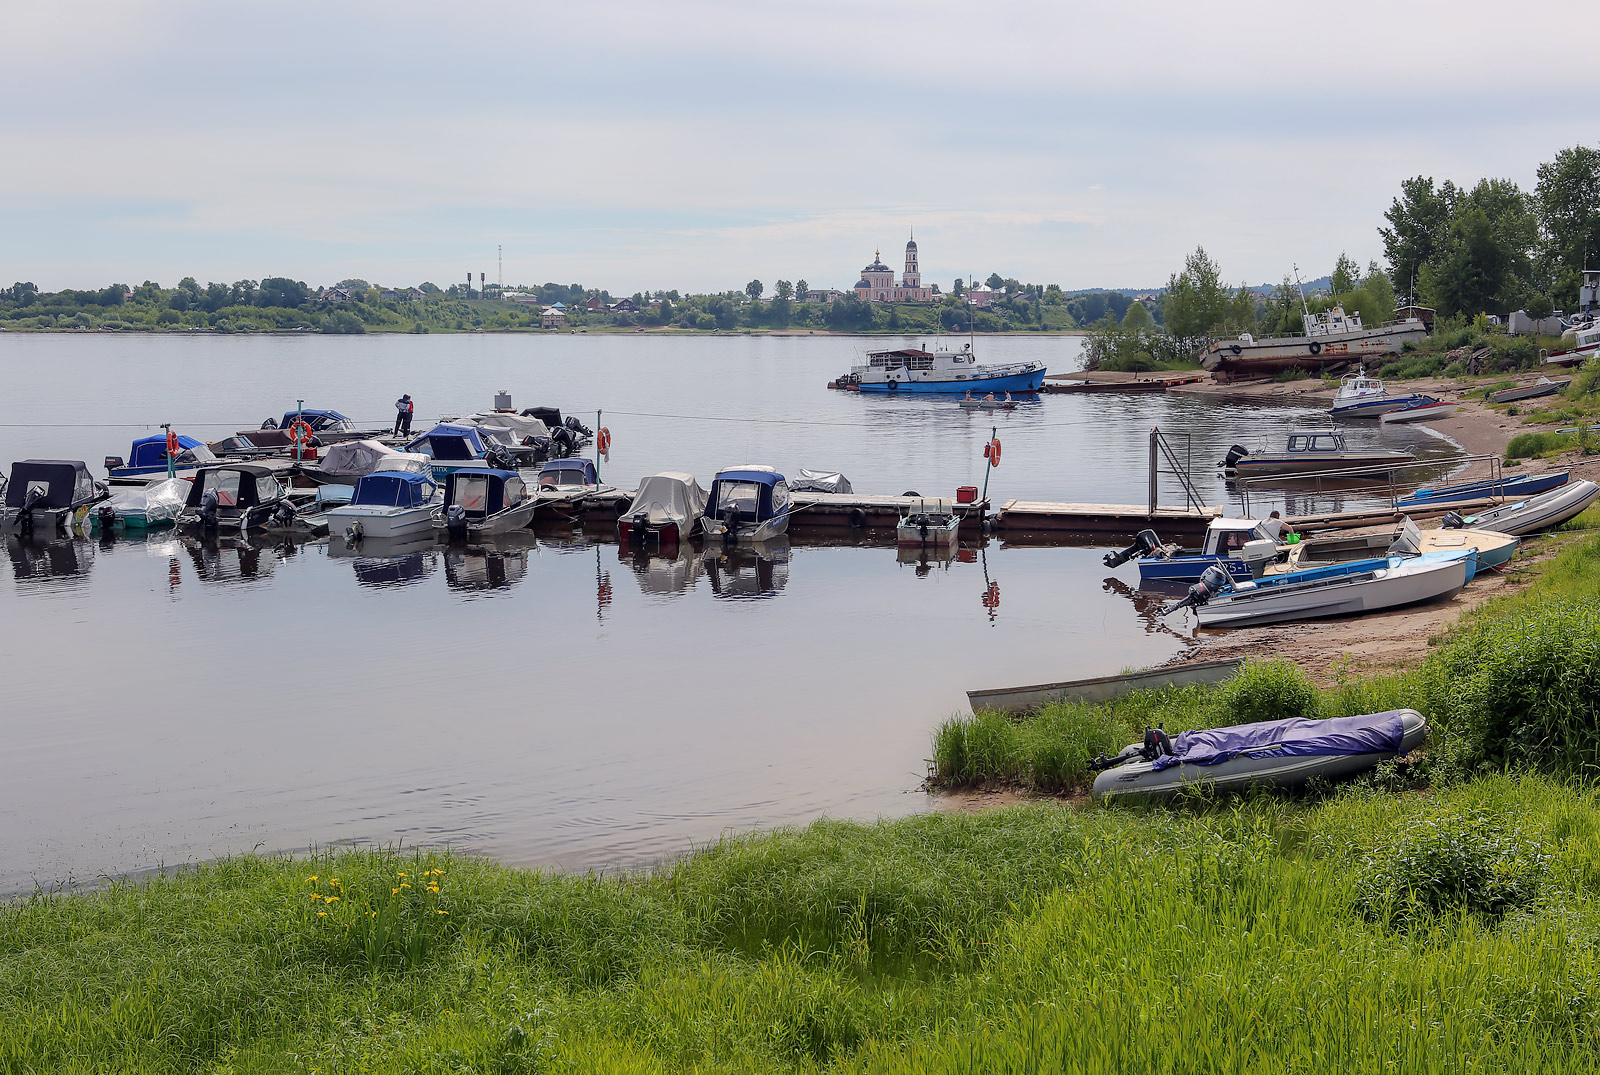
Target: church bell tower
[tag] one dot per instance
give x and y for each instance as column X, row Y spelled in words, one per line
column 913, row 275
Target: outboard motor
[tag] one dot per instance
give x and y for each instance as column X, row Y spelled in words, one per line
column 578, row 427
column 562, row 442
column 1213, row 581
column 208, row 510
column 1236, row 453
column 1156, row 743
column 25, row 513
column 1452, row 521
column 270, row 423
column 455, row 522
column 730, row 522
column 1145, row 542
column 500, row 459
column 285, row 515
column 108, row 518
column 113, row 462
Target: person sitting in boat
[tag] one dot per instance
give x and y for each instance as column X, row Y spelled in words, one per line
column 1276, row 528
column 989, row 398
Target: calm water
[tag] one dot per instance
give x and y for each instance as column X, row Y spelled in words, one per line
column 546, row 700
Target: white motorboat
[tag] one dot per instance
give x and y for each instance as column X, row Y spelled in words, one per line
column 387, row 504
column 747, row 503
column 1339, row 590
column 1491, row 548
column 1537, row 513
column 666, row 507
column 1278, row 753
column 1420, row 409
column 1361, row 396
column 915, row 371
column 483, row 503
column 929, row 522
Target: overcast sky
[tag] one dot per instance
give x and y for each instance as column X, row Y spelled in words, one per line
column 695, row 145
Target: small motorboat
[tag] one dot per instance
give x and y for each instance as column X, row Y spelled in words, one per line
column 232, row 496
column 1361, row 396
column 929, row 522
column 747, row 503
column 1275, row 753
column 346, row 462
column 457, row 446
column 1537, row 513
column 328, row 427
column 483, row 503
column 1309, row 451
column 143, row 507
column 1420, row 409
column 387, row 504
column 666, row 507
column 1492, row 549
column 1544, row 386
column 568, row 481
column 45, row 494
column 147, row 460
column 297, row 517
column 987, row 403
column 1522, row 485
column 1238, row 546
column 1337, row 590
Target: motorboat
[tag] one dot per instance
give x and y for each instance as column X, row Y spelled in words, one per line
column 457, row 446
column 913, row 370
column 1522, row 485
column 987, row 403
column 1585, row 339
column 1542, row 512
column 147, row 460
column 296, row 517
column 328, row 427
column 1544, row 386
column 568, row 481
column 1361, row 396
column 1330, row 338
column 45, row 494
column 1308, row 451
column 348, row 461
column 232, row 496
column 1490, row 549
column 1420, row 409
column 1283, row 753
column 747, row 503
column 819, row 481
column 1337, row 590
column 666, row 507
column 1241, row 547
column 483, row 503
column 387, row 504
column 931, row 522
column 143, row 507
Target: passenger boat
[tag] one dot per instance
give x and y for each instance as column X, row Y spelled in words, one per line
column 1239, row 546
column 1420, row 409
column 1522, row 485
column 912, row 370
column 1489, row 548
column 1544, row 386
column 930, row 523
column 747, row 503
column 387, row 504
column 144, row 507
column 1338, row 590
column 348, row 461
column 483, row 503
column 1538, row 513
column 987, row 403
column 1307, row 451
column 667, row 507
column 232, row 496
column 147, row 460
column 1277, row 753
column 1361, row 396
column 1330, row 338
column 45, row 494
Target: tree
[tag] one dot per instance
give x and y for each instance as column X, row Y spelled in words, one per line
column 1567, row 196
column 1419, row 221
column 800, row 289
column 355, row 283
column 428, row 287
column 754, row 289
column 1539, row 307
column 1196, row 299
column 1138, row 319
column 1471, row 276
column 957, row 288
column 283, row 292
column 1345, row 274
column 785, row 290
column 995, row 281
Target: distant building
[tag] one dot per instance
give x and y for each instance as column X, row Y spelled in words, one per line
column 624, row 306
column 336, row 294
column 982, row 294
column 1520, row 324
column 822, row 294
column 552, row 318
column 877, row 281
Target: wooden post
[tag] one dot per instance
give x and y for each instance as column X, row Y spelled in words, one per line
column 1155, row 434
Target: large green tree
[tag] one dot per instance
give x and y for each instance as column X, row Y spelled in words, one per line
column 1472, row 275
column 1567, row 197
column 1419, row 221
column 1197, row 301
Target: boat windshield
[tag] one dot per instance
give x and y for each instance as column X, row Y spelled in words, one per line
column 560, row 479
column 225, row 483
column 472, row 493
column 742, row 497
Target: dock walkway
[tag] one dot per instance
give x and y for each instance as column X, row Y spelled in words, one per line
column 1122, row 520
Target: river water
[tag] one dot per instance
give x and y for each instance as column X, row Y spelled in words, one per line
column 548, row 700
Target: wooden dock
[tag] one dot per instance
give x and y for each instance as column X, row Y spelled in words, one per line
column 1047, row 520
column 813, row 512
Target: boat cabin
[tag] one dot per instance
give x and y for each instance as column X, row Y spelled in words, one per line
column 747, row 495
column 393, row 489
column 319, row 421
column 1226, row 537
column 1334, row 322
column 1315, row 440
column 446, row 442
column 569, row 474
column 50, row 484
column 1358, row 385
column 239, row 490
column 483, row 493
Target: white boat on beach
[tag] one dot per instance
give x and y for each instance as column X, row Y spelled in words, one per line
column 1421, row 409
column 1361, row 396
column 1340, row 590
column 1537, row 513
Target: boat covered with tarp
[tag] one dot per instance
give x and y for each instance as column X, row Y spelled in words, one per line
column 666, row 507
column 1278, row 753
column 144, row 507
column 44, row 493
column 819, row 481
column 346, row 462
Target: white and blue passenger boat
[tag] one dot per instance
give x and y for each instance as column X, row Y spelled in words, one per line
column 912, row 370
column 1241, row 547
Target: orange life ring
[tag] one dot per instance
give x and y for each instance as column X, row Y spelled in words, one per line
column 992, row 450
column 603, row 441
column 172, row 444
column 300, row 432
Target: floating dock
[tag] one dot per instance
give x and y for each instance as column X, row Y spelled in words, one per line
column 812, row 512
column 1050, row 520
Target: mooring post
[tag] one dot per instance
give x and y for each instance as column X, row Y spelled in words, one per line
column 1155, row 435
column 994, row 431
column 597, row 428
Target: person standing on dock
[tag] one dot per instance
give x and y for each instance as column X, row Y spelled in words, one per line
column 403, row 408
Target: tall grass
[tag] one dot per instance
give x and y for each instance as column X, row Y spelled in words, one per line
column 1530, row 445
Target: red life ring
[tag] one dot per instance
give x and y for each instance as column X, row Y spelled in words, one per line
column 992, row 451
column 172, row 444
column 300, row 432
column 603, row 441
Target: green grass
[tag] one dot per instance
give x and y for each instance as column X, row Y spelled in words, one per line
column 1535, row 445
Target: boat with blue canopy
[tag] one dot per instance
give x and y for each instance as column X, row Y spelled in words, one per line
column 147, row 460
column 482, row 503
column 747, row 503
column 452, row 446
column 387, row 504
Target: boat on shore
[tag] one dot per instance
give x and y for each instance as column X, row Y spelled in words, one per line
column 1420, row 409
column 1307, row 451
column 1339, row 590
column 747, row 503
column 1489, row 548
column 1330, row 338
column 1521, row 485
column 1239, row 546
column 1101, row 688
column 1544, row 386
column 915, row 371
column 1279, row 753
column 1361, row 396
column 1537, row 513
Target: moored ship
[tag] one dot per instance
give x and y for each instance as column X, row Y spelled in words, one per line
column 1330, row 338
column 913, row 370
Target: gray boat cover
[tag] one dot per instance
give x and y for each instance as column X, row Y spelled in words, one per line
column 819, row 481
column 1369, row 733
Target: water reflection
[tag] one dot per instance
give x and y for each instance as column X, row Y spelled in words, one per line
column 1148, row 603
column 480, row 570
column 382, row 562
column 925, row 558
column 748, row 570
column 228, row 560
column 35, row 558
column 668, row 575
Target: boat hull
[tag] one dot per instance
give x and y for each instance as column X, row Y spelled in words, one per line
column 380, row 522
column 1419, row 414
column 1510, row 488
column 716, row 529
column 978, row 381
column 1313, row 462
column 909, row 536
column 1189, row 568
column 1391, row 587
column 1102, row 688
column 1242, row 358
column 1538, row 513
column 1375, row 407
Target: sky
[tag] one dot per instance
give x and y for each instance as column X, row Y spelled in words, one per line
column 697, row 145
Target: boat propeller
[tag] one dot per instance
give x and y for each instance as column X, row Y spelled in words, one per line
column 1145, row 542
column 1213, row 581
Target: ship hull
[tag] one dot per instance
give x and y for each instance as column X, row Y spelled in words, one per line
column 977, row 382
column 1243, row 358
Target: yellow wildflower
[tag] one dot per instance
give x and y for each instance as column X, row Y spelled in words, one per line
column 315, row 896
column 402, row 873
column 402, row 885
column 313, row 877
column 442, row 912
column 333, row 881
column 331, row 899
column 392, row 891
column 322, row 914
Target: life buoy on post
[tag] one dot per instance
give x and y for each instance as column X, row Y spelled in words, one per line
column 1316, row 347
column 172, row 444
column 603, row 441
column 300, row 432
column 991, row 451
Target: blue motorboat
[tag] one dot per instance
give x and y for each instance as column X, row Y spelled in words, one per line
column 915, row 371
column 147, row 459
column 1522, row 485
column 1361, row 396
column 747, row 502
column 1238, row 546
column 451, row 447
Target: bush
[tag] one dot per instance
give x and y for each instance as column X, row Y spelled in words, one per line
column 1270, row 690
column 1293, row 373
column 1446, row 865
column 1528, row 445
column 343, row 322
